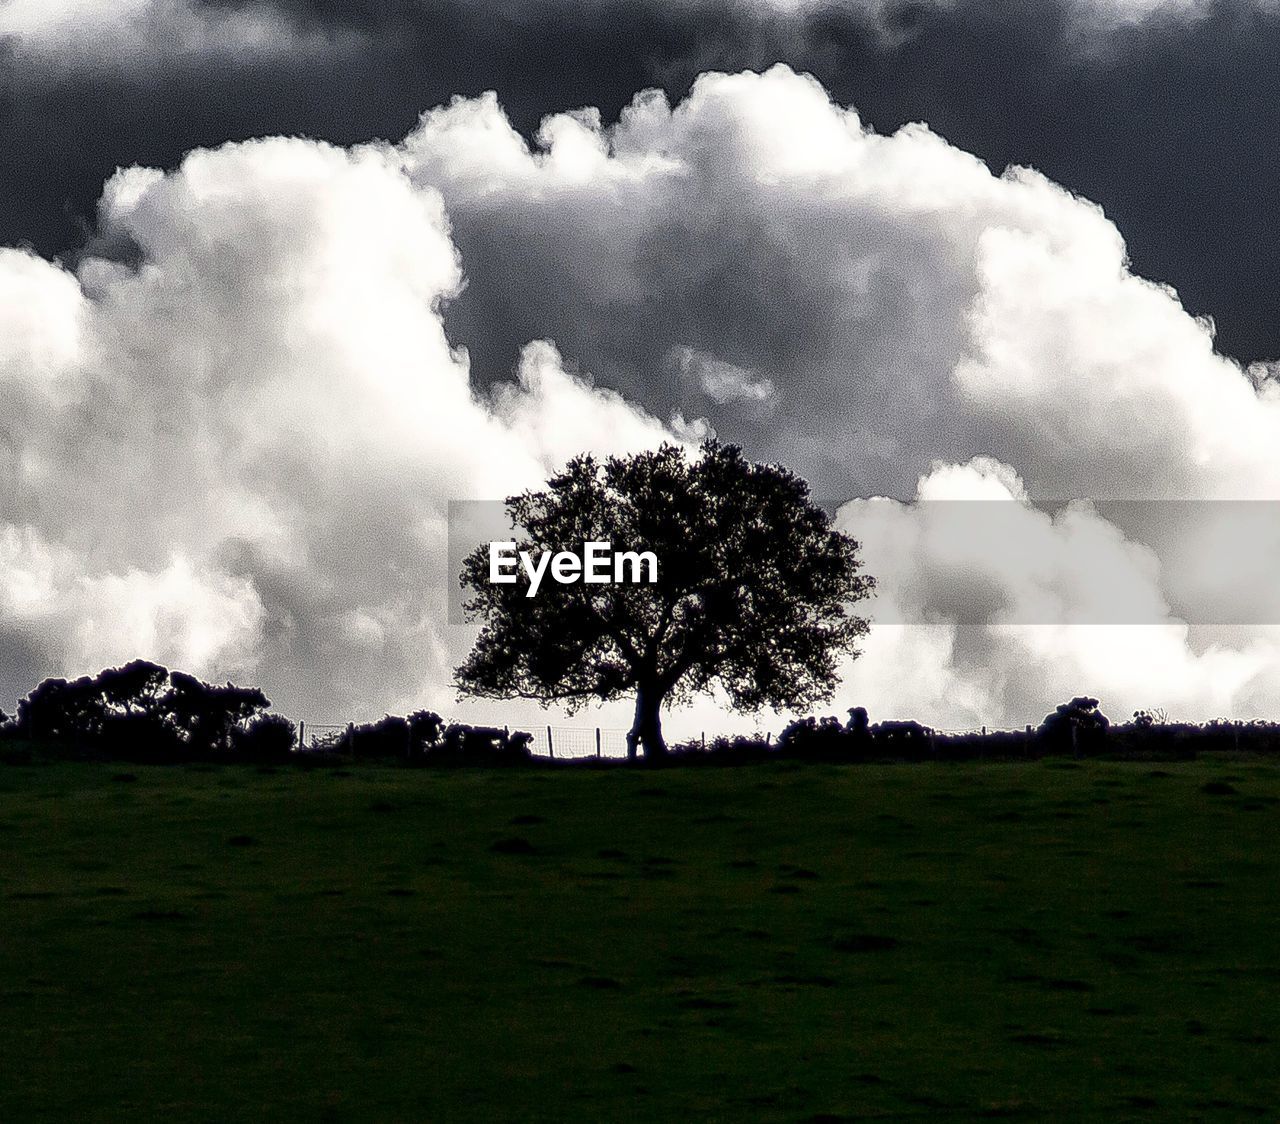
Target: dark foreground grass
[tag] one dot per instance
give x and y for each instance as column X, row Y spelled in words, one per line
column 1048, row 941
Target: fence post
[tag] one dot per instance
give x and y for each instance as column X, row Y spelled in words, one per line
column 302, row 736
column 597, row 743
column 551, row 749
column 704, row 741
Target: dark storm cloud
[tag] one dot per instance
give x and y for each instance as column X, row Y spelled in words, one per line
column 1169, row 122
column 262, row 374
column 67, row 127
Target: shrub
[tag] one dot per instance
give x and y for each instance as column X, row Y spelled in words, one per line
column 268, row 737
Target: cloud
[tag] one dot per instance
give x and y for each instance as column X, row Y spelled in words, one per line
column 554, row 415
column 231, row 446
column 990, row 610
column 282, row 359
column 903, row 303
column 107, row 27
column 1097, row 100
column 720, row 381
column 908, row 307
column 199, row 620
column 141, row 34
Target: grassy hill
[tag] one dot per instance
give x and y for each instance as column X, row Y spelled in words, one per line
column 1053, row 940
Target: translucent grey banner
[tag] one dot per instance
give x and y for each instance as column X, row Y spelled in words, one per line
column 1001, row 562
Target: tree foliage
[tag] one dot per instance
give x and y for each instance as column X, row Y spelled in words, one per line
column 142, row 711
column 753, row 594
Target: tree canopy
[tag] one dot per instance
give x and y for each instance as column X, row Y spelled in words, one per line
column 146, row 712
column 753, row 595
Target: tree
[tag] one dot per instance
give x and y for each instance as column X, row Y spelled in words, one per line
column 207, row 717
column 752, row 596
column 1078, row 724
column 143, row 712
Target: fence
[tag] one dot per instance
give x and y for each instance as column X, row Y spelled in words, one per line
column 558, row 742
column 320, row 735
column 585, row 741
column 578, row 741
column 572, row 742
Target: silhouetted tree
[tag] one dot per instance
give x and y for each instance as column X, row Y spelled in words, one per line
column 426, row 728
column 207, row 717
column 61, row 710
column 1076, row 725
column 753, row 591
column 135, row 689
column 119, row 712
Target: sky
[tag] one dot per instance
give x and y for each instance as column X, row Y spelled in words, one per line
column 281, row 279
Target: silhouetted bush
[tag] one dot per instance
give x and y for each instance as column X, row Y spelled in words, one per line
column 117, row 712
column 815, row 739
column 907, row 740
column 481, row 745
column 145, row 738
column 142, row 712
column 723, row 750
column 409, row 739
column 826, row 739
column 268, row 737
column 392, row 737
column 389, row 737
column 423, row 739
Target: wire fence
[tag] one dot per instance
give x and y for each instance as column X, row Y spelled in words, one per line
column 573, row 742
column 321, row 735
column 556, row 742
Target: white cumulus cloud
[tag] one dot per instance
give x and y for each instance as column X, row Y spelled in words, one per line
column 246, row 400
column 233, row 449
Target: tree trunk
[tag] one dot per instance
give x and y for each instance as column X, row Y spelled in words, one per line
column 646, row 730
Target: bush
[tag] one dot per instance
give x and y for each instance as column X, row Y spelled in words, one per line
column 268, row 737
column 481, row 745
column 723, row 750
column 392, row 737
column 142, row 712
column 826, row 739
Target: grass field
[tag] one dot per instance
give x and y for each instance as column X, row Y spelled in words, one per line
column 781, row 943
